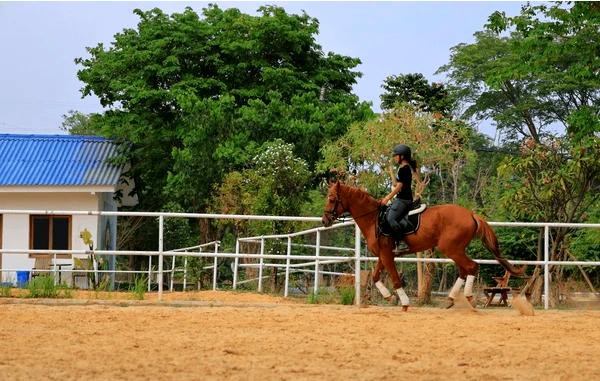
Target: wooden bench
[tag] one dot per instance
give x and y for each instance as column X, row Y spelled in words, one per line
column 501, row 289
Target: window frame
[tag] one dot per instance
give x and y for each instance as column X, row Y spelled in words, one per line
column 50, row 218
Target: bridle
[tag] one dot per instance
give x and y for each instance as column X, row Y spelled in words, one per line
column 332, row 213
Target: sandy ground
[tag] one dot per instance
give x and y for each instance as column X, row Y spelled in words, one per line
column 237, row 336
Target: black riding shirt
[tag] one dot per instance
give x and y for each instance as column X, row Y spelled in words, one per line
column 404, row 176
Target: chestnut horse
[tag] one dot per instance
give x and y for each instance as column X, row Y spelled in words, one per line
column 450, row 228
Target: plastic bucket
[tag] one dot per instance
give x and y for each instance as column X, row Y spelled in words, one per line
column 22, row 278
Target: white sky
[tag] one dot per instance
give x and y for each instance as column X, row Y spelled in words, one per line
column 40, row 40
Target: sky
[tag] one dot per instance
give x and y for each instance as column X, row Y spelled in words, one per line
column 40, row 40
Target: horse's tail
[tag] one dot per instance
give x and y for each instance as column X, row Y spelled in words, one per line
column 488, row 237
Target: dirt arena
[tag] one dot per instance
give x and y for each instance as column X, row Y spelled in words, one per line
column 237, row 336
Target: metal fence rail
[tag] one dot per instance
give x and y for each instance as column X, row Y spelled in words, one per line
column 317, row 259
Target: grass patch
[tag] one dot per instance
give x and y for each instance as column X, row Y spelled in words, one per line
column 44, row 287
column 5, row 291
column 139, row 288
column 346, row 295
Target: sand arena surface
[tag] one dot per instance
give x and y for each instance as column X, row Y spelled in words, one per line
column 230, row 336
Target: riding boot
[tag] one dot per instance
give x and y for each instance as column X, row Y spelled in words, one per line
column 400, row 245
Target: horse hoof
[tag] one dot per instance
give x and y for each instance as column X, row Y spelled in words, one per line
column 450, row 303
column 471, row 301
column 404, row 308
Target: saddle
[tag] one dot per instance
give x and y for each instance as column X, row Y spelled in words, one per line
column 411, row 221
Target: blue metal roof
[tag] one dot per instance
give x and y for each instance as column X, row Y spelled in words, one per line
column 57, row 160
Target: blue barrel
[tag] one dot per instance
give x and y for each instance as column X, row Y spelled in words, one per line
column 22, row 278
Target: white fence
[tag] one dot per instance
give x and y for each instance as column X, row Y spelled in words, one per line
column 316, row 260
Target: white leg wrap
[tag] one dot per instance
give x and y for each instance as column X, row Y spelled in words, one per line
column 403, row 297
column 384, row 291
column 469, row 285
column 456, row 288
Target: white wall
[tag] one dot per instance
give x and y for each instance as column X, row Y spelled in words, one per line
column 15, row 234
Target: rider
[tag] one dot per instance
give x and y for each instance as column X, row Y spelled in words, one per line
column 403, row 192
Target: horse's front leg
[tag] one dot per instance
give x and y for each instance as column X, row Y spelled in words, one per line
column 378, row 283
column 387, row 258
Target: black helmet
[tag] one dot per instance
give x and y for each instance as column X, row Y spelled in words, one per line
column 403, row 150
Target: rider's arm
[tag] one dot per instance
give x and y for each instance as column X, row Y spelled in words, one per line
column 391, row 195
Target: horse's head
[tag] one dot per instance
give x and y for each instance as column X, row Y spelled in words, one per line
column 333, row 205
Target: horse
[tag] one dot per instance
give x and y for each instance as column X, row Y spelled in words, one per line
column 448, row 227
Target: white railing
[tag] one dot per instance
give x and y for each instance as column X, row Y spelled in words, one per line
column 316, row 259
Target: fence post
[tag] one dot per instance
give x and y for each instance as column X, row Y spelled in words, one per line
column 235, row 261
column 260, row 269
column 185, row 273
column 317, row 253
column 287, row 266
column 546, row 267
column 356, row 265
column 172, row 274
column 215, row 266
column 149, row 271
column 55, row 267
column 161, row 221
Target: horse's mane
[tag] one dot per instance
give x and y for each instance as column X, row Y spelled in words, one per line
column 358, row 193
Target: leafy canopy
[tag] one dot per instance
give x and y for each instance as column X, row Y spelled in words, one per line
column 533, row 71
column 196, row 95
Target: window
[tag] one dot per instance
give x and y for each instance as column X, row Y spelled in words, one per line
column 50, row 232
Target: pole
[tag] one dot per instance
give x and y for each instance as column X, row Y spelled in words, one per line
column 161, row 221
column 215, row 267
column 287, row 266
column 317, row 253
column 356, row 265
column 546, row 267
column 235, row 266
column 260, row 269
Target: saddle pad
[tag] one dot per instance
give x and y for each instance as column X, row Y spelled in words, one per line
column 414, row 218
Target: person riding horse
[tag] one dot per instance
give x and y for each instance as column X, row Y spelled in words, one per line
column 402, row 191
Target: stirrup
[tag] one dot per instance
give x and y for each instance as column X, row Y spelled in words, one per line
column 401, row 247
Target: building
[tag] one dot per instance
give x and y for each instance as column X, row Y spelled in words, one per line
column 55, row 173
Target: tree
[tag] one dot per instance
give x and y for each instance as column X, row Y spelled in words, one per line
column 77, row 123
column 415, row 90
column 195, row 97
column 533, row 71
column 275, row 183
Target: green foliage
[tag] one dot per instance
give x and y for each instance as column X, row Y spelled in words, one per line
column 139, row 287
column 178, row 232
column 44, row 287
column 78, row 123
column 5, row 291
column 274, row 184
column 415, row 90
column 533, row 70
column 366, row 148
column 195, row 96
column 558, row 181
column 347, row 294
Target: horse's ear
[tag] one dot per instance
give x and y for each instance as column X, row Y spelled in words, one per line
column 332, row 177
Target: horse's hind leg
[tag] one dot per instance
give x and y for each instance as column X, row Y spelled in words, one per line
column 388, row 262
column 467, row 269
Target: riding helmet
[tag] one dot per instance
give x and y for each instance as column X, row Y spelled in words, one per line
column 402, row 149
